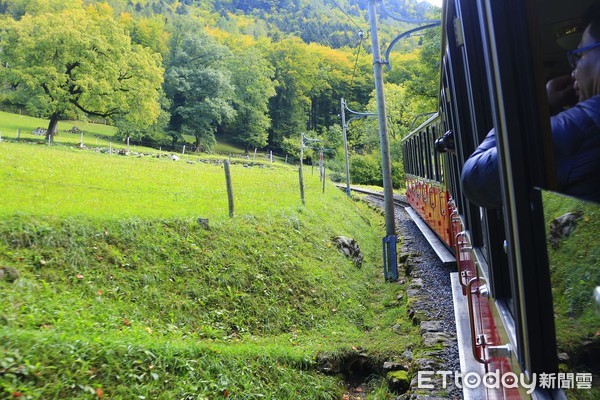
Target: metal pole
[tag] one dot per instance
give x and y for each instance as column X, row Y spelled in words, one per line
column 344, row 130
column 386, row 166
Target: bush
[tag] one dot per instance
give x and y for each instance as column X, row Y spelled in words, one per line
column 397, row 174
column 366, row 170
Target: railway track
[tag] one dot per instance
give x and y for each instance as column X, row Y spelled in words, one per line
column 429, row 294
column 399, row 200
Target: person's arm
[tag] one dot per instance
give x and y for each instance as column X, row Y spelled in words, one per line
column 481, row 176
column 560, row 94
column 576, row 142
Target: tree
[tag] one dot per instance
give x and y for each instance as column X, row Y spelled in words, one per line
column 425, row 81
column 88, row 66
column 18, row 8
column 198, row 84
column 252, row 77
column 147, row 32
column 296, row 74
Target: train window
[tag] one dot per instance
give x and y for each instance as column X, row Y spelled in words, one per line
column 428, row 151
column 434, row 155
column 411, row 163
column 411, row 156
column 419, row 154
column 406, row 158
column 437, row 156
column 526, row 32
column 449, row 107
column 422, row 155
column 413, row 149
column 413, row 159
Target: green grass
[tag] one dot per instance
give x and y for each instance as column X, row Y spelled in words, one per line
column 223, row 147
column 575, row 272
column 93, row 134
column 123, row 293
column 99, row 135
column 65, row 181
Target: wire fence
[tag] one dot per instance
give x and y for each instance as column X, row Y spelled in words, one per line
column 112, row 145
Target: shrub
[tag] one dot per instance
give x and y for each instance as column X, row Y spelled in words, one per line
column 366, row 170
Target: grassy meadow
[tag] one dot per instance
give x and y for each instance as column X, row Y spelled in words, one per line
column 47, row 180
column 111, row 288
column 13, row 126
column 20, row 127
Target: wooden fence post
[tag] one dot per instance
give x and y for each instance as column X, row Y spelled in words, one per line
column 301, row 179
column 229, row 187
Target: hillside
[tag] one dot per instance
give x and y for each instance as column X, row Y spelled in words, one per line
column 126, row 294
column 170, row 74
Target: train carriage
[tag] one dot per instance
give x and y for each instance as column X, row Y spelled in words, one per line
column 496, row 59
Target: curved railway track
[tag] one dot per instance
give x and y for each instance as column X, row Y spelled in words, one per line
column 429, row 296
column 399, row 200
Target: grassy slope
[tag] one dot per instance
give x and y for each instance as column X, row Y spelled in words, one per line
column 575, row 271
column 67, row 181
column 94, row 134
column 122, row 294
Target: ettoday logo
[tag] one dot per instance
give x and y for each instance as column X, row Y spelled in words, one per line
column 495, row 380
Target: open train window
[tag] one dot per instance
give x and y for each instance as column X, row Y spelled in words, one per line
column 471, row 120
column 527, row 31
column 497, row 58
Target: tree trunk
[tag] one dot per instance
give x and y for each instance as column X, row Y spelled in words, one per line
column 52, row 127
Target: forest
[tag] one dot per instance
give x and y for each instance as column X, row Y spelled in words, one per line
column 255, row 73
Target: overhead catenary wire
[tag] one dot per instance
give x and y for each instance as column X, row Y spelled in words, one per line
column 346, row 14
column 362, row 36
column 361, row 33
column 407, row 20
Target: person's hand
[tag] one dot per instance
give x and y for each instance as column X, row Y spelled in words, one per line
column 560, row 93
